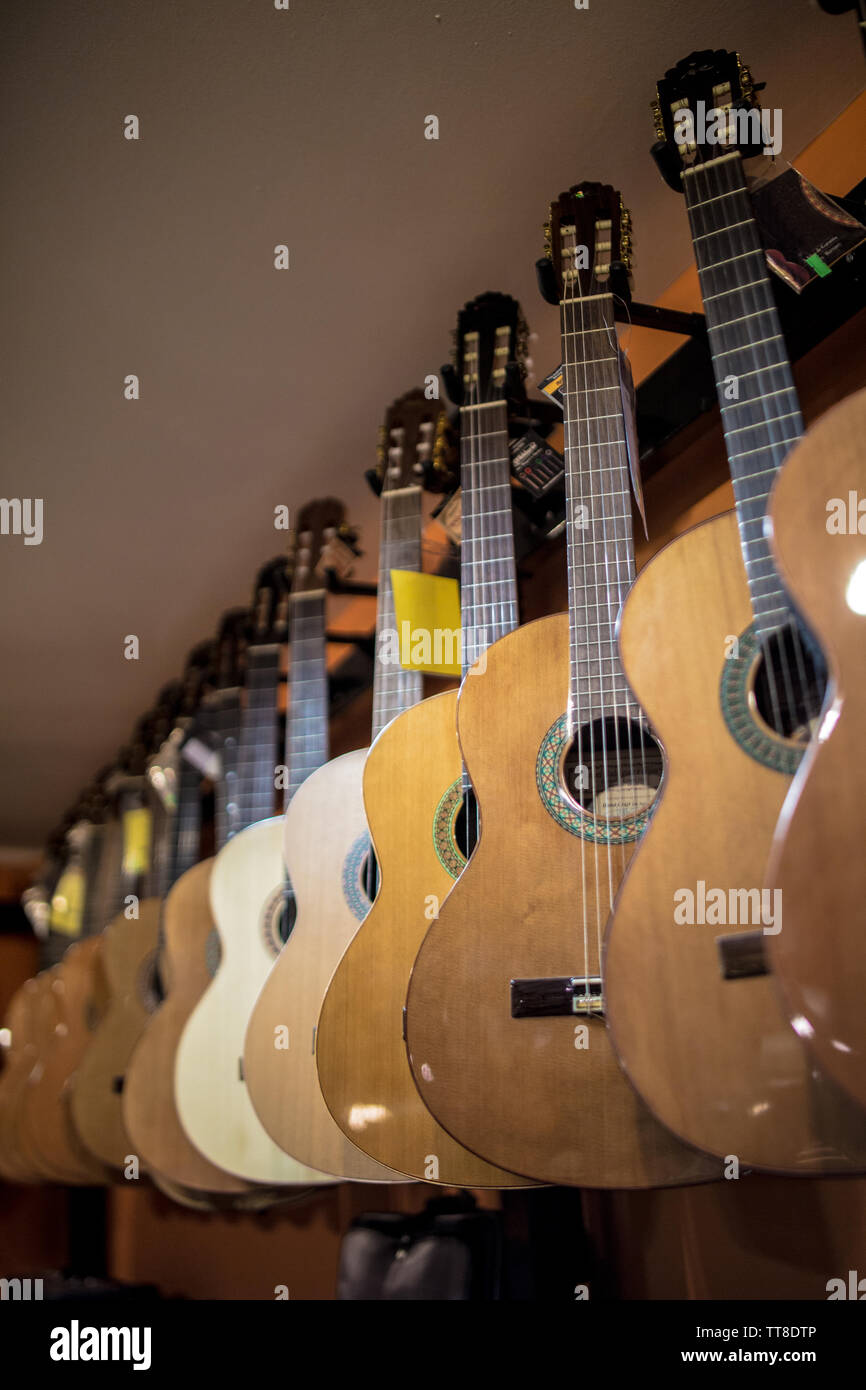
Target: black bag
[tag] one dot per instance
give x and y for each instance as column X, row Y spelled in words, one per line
column 451, row 1250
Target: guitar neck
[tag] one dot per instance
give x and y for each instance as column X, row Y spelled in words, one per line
column 92, row 863
column 394, row 688
column 187, row 821
column 223, row 722
column 488, row 573
column 307, row 720
column 257, row 747
column 757, row 397
column 600, row 546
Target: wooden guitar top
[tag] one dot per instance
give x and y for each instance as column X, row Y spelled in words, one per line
column 79, row 993
column 360, row 1050
column 210, row 1089
column 326, row 842
column 129, row 952
column 20, row 1057
column 712, row 1053
column 818, row 863
column 149, row 1109
column 543, row 1094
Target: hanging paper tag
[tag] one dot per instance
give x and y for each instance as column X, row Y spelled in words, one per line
column 136, row 841
column 427, row 616
column 552, row 386
column 207, row 760
column 67, row 904
column 626, row 383
column 804, row 232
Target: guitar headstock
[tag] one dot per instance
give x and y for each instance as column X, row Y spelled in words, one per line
column 490, row 351
column 587, row 240
column 269, row 609
column 705, row 107
column 231, row 644
column 416, row 446
column 322, row 541
column 198, row 672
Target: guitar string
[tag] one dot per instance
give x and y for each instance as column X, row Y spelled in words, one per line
column 589, row 537
column 615, row 593
column 575, row 546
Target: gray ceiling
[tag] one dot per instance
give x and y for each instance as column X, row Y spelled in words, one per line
column 259, row 387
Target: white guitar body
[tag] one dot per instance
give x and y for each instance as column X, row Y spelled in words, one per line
column 326, row 845
column 210, row 1091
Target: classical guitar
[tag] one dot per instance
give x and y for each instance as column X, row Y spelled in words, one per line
column 326, row 841
column 128, row 951
column 250, row 900
column 20, row 1054
column 817, row 865
column 189, row 948
column 505, row 1009
column 732, row 682
column 419, row 805
column 70, row 1002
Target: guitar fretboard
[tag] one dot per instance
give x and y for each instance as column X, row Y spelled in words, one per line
column 224, row 722
column 394, row 688
column 758, row 399
column 600, row 549
column 187, row 826
column 488, row 576
column 307, row 721
column 257, row 749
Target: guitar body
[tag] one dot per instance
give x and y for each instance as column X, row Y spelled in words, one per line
column 520, row 1090
column 817, row 859
column 70, row 1012
column 128, row 955
column 149, row 1109
column 20, row 1057
column 326, row 845
column 715, row 1058
column 412, row 769
column 246, row 889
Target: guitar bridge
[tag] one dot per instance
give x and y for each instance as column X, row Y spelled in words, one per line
column 559, row 996
column 741, row 955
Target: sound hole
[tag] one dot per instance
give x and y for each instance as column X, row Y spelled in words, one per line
column 370, row 875
column 466, row 824
column 157, row 987
column 150, row 990
column 788, row 684
column 612, row 768
column 285, row 918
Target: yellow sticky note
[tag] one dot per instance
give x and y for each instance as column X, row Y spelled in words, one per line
column 67, row 904
column 427, row 616
column 136, row 841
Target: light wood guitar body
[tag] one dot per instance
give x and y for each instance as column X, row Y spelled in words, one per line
column 714, row 1057
column 326, row 846
column 818, row 862
column 412, row 767
column 128, row 956
column 521, row 1090
column 20, row 1057
column 48, row 1135
column 149, row 1108
column 210, row 1091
